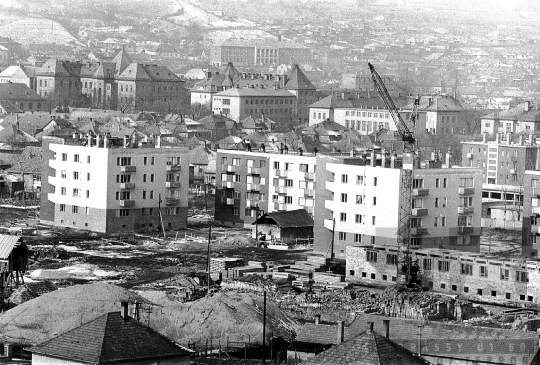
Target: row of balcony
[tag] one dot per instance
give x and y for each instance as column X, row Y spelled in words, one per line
column 131, row 168
column 168, row 184
column 461, row 191
column 126, row 203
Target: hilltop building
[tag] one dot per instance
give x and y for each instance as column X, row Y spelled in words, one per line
column 20, row 75
column 113, row 185
column 524, row 118
column 19, row 98
column 247, row 52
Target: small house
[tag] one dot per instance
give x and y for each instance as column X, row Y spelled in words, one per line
column 284, row 226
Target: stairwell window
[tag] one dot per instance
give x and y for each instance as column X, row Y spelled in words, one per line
column 483, row 271
column 371, row 256
column 466, row 269
column 342, row 236
column 344, row 179
column 444, row 266
column 343, row 217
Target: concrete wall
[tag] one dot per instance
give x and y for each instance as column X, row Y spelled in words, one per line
column 471, row 284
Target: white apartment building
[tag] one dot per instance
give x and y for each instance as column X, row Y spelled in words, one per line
column 105, row 185
column 359, row 203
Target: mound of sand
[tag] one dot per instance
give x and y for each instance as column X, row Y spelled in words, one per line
column 62, row 310
column 224, row 315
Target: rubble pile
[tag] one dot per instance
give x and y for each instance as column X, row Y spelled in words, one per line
column 236, row 240
column 249, row 283
column 48, row 252
column 343, row 305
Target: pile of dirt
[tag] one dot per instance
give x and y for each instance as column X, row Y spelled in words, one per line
column 220, row 317
column 59, row 311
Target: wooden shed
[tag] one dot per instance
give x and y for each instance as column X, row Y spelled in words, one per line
column 285, row 226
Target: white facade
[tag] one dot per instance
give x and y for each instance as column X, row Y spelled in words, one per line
column 318, row 115
column 364, row 120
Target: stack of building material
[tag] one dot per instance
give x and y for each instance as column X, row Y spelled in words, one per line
column 219, row 264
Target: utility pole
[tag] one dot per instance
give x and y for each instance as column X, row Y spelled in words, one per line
column 208, row 260
column 257, row 224
column 264, row 329
column 161, row 216
column 333, row 237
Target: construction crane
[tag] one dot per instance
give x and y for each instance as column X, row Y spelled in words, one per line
column 407, row 271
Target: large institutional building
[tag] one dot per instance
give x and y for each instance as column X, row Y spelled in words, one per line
column 247, row 52
column 111, row 185
column 119, row 84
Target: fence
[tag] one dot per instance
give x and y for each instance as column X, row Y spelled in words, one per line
column 236, row 346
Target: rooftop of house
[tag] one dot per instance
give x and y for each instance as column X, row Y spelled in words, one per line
column 19, row 92
column 110, row 338
column 287, row 219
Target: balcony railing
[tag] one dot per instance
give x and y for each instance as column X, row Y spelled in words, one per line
column 252, row 203
column 172, row 201
column 282, row 190
column 465, row 210
column 466, row 229
column 228, row 168
column 254, row 170
column 418, row 231
column 282, row 173
column 309, row 192
column 536, row 210
column 420, row 192
column 253, row 187
column 309, row 176
column 536, row 191
column 470, row 155
column 466, row 191
column 419, row 212
column 172, row 184
column 172, row 168
column 127, row 186
column 127, row 203
column 128, row 168
column 228, row 184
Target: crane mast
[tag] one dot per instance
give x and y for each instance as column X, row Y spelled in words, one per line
column 406, row 273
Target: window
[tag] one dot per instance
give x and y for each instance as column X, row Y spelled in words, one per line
column 123, row 161
column 62, row 191
column 343, row 217
column 87, row 211
column 87, row 193
column 236, row 161
column 418, row 183
column 288, row 199
column 445, row 180
column 359, row 180
column 344, row 198
column 145, row 160
column 436, row 202
column 75, row 193
column 357, row 238
column 63, row 174
column 373, row 220
column 88, row 176
column 76, row 158
column 75, row 209
column 522, row 276
column 374, row 200
column 151, row 194
column 144, row 194
column 342, row 236
column 466, row 269
column 374, row 181
column 505, row 274
column 344, row 179
column 144, row 178
column 371, row 256
column 483, row 271
column 151, row 177
column 493, row 293
column 123, row 212
column 62, row 207
column 444, row 265
column 358, row 218
column 288, row 182
column 152, row 160
column 437, row 182
column 276, row 165
column 427, row 264
column 391, row 259
column 75, row 175
column 359, row 199
column 443, row 221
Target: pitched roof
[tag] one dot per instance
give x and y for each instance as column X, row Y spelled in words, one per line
column 287, row 219
column 140, row 72
column 7, row 244
column 19, row 92
column 248, row 91
column 368, row 348
column 463, row 340
column 110, row 338
column 298, row 80
column 121, row 61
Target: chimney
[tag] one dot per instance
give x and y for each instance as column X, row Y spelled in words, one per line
column 341, row 332
column 373, row 158
column 317, row 319
column 158, row 141
column 484, row 137
column 386, row 323
column 89, row 140
column 97, row 141
column 125, row 140
column 124, row 312
column 370, row 326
